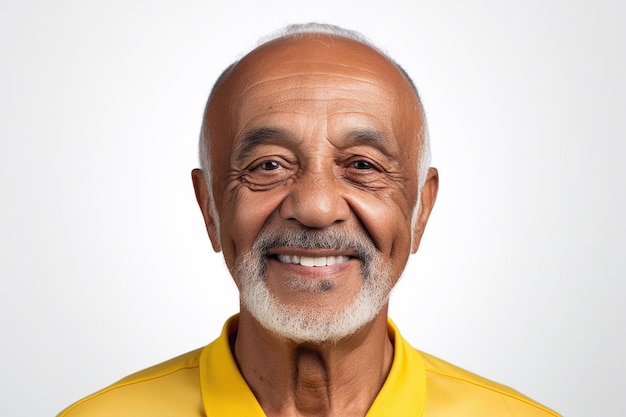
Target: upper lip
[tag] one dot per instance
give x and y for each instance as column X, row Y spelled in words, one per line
column 312, row 253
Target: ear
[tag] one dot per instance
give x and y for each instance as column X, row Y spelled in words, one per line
column 204, row 201
column 427, row 201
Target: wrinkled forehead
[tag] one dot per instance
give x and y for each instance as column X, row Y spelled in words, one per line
column 310, row 82
column 313, row 57
column 311, row 52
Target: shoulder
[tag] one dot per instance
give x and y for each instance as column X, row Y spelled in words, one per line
column 172, row 387
column 473, row 394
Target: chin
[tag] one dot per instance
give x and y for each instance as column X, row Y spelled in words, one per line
column 303, row 324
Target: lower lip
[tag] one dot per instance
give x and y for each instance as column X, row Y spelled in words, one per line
column 320, row 272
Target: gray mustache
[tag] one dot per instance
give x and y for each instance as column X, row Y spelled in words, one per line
column 322, row 239
column 307, row 239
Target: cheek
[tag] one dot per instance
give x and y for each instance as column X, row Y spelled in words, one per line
column 244, row 215
column 388, row 222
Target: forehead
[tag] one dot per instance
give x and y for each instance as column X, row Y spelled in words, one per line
column 327, row 51
column 314, row 75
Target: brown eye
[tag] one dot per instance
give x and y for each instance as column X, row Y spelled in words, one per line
column 362, row 165
column 268, row 165
column 263, row 174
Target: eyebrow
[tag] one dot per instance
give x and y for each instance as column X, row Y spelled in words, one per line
column 256, row 137
column 371, row 137
column 355, row 137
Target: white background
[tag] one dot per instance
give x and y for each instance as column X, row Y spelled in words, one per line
column 104, row 262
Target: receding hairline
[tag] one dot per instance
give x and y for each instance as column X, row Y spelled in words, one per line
column 310, row 30
column 298, row 32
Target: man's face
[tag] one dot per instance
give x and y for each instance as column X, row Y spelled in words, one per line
column 315, row 139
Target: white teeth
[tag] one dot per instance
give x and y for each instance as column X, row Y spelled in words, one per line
column 311, row 261
column 332, row 260
column 306, row 261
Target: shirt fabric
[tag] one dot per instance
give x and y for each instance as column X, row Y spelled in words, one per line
column 207, row 383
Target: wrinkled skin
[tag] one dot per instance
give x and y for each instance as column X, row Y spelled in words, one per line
column 319, row 132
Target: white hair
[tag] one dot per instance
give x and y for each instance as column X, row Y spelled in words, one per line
column 298, row 31
column 306, row 323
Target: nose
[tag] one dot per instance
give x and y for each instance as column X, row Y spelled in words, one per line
column 315, row 200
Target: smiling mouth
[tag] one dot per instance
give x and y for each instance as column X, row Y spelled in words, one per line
column 312, row 261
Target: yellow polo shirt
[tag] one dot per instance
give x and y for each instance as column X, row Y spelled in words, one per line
column 207, row 383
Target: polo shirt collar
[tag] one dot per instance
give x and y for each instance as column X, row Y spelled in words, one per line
column 226, row 394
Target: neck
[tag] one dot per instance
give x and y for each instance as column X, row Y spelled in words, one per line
column 339, row 379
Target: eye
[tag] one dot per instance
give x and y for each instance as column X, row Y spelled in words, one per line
column 365, row 171
column 362, row 165
column 268, row 165
column 266, row 172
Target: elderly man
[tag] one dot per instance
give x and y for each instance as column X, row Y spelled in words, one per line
column 316, row 187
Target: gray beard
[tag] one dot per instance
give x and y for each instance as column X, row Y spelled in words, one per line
column 297, row 323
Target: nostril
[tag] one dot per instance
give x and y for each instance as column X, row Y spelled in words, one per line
column 316, row 206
